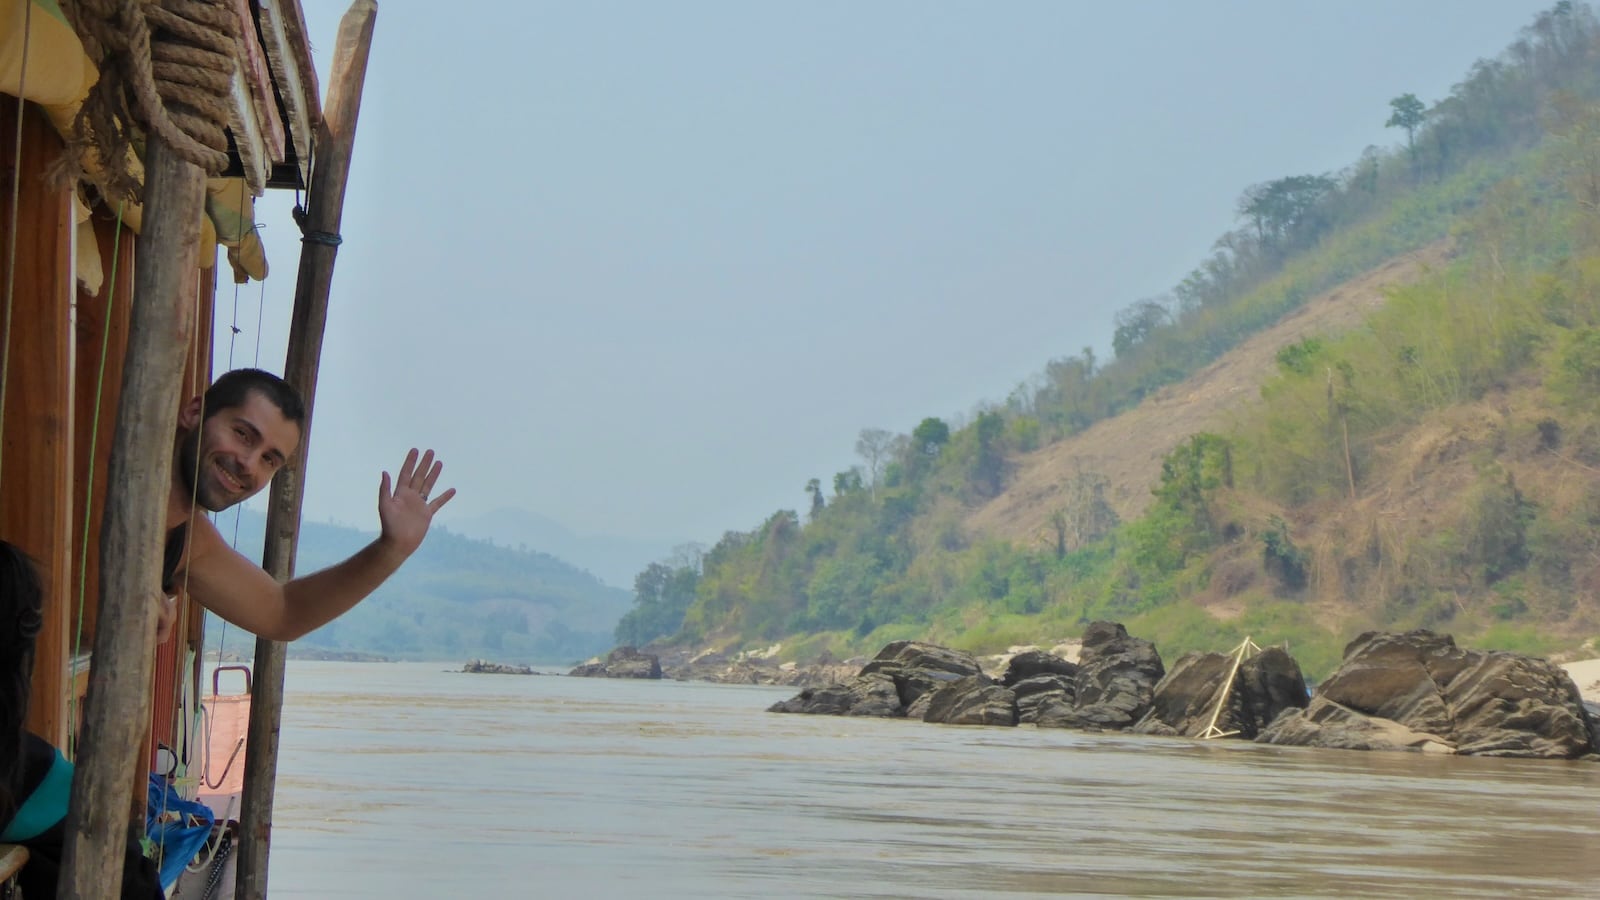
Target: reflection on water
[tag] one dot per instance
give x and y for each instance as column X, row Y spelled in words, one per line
column 403, row 780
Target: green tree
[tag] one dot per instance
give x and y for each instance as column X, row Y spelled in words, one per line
column 1408, row 113
column 876, row 446
column 987, row 473
column 1281, row 210
column 814, row 488
column 1136, row 323
column 847, row 482
column 661, row 596
column 930, row 436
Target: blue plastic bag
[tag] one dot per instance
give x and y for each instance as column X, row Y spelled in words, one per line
column 177, row 826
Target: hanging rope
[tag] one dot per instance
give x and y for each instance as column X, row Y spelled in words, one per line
column 165, row 66
column 94, row 443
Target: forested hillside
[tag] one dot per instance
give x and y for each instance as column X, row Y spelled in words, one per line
column 457, row 598
column 1437, row 464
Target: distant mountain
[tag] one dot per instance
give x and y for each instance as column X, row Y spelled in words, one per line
column 457, row 598
column 614, row 560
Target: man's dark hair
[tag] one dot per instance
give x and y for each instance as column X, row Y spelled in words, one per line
column 232, row 388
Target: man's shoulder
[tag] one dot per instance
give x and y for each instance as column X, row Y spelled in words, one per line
column 205, row 541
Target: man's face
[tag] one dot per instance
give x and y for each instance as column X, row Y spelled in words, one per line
column 235, row 452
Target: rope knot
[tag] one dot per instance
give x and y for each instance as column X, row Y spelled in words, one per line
column 166, row 66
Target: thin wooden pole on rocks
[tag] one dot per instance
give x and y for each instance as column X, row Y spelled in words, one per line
column 319, row 248
column 117, row 710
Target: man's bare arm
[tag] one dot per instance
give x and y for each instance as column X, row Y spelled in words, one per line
column 228, row 584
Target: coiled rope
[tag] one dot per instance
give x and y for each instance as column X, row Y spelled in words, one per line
column 166, row 66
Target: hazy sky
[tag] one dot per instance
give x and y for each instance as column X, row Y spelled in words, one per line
column 645, row 268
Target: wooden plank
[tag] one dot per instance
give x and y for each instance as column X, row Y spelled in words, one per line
column 335, row 146
column 102, row 343
column 118, row 708
column 36, row 461
column 253, row 67
column 12, row 859
column 244, row 123
column 291, row 79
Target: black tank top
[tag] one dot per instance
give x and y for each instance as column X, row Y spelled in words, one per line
column 177, row 542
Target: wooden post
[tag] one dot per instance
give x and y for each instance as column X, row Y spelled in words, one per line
column 319, row 249
column 117, row 710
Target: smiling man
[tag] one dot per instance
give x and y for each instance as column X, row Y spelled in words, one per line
column 230, row 443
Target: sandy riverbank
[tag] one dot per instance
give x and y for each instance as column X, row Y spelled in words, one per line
column 1586, row 672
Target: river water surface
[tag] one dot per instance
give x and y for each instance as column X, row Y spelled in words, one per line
column 406, row 780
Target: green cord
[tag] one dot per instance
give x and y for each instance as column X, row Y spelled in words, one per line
column 88, row 507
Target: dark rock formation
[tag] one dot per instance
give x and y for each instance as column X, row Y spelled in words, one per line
column 1266, row 684
column 1478, row 703
column 1187, row 694
column 1270, row 683
column 1031, row 693
column 867, row 695
column 1115, row 683
column 623, row 662
column 484, row 667
column 914, row 670
column 973, row 700
column 1033, row 663
column 918, row 668
column 1325, row 723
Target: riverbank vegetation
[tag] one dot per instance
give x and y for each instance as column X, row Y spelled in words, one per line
column 1438, row 466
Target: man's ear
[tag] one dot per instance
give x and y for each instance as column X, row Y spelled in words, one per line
column 189, row 415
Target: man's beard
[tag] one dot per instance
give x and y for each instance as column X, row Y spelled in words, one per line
column 188, row 469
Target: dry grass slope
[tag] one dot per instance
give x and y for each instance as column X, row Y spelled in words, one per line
column 1127, row 450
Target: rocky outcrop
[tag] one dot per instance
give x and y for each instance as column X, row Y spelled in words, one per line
column 1033, row 663
column 1184, row 702
column 1471, row 702
column 1115, row 682
column 918, row 668
column 1324, row 723
column 484, row 667
column 914, row 669
column 1032, row 693
column 868, row 695
column 623, row 662
column 1415, row 691
column 972, row 700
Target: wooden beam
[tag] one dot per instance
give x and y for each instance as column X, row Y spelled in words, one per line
column 248, row 136
column 318, row 252
column 294, row 84
column 118, row 707
column 171, row 653
column 36, row 459
column 255, row 73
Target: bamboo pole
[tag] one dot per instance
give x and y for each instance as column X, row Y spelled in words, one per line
column 117, row 710
column 319, row 250
column 1212, row 731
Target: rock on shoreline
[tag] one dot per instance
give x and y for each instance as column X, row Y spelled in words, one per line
column 1419, row 689
column 623, row 662
column 1414, row 691
column 484, row 667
